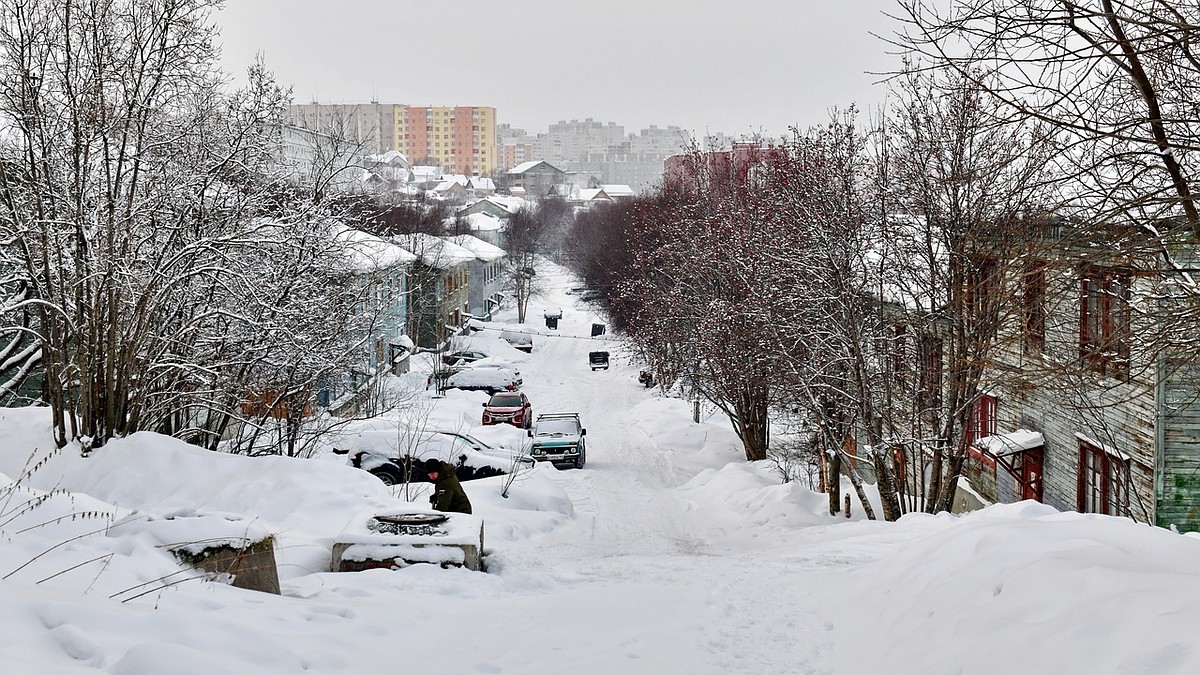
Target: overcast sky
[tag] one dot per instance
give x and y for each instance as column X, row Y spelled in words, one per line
column 736, row 66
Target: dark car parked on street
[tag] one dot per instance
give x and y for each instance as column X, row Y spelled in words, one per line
column 598, row 360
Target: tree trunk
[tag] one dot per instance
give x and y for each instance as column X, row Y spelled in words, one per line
column 833, row 477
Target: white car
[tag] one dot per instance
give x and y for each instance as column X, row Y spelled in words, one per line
column 509, row 457
column 485, row 378
column 518, row 339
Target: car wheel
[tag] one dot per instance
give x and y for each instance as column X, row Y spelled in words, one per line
column 389, row 475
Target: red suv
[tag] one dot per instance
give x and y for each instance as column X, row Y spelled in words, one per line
column 508, row 407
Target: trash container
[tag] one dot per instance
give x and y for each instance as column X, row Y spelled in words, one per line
column 552, row 322
column 597, row 329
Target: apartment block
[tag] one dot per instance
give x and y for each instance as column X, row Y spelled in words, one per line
column 369, row 125
column 599, row 149
column 460, row 139
column 515, row 146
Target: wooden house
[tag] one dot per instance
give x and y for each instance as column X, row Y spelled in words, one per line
column 439, row 292
column 1092, row 404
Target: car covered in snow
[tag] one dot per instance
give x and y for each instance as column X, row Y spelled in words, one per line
column 559, row 438
column 508, row 407
column 395, row 456
column 442, row 374
column 518, row 339
column 463, row 356
column 494, row 450
column 485, row 378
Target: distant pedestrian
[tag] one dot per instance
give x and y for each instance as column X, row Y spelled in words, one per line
column 447, row 494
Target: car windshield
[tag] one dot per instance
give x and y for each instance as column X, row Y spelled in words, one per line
column 553, row 427
column 458, row 444
column 503, row 401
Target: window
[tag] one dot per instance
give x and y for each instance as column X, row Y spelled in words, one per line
column 1103, row 481
column 1034, row 308
column 899, row 354
column 983, row 419
column 1104, row 330
column 931, row 370
column 983, row 288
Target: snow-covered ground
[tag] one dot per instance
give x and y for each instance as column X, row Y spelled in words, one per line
column 666, row 554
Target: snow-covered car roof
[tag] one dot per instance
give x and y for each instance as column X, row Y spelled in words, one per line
column 497, row 376
column 391, row 444
column 517, row 337
column 557, row 426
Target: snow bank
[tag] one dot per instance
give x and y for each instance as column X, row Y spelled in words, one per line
column 1023, row 587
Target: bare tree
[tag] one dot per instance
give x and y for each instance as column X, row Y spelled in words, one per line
column 692, row 296
column 960, row 192
column 144, row 207
column 523, row 241
column 1115, row 79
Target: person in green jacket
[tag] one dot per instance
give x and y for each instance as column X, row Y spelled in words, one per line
column 448, row 494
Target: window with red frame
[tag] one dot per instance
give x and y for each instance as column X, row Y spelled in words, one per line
column 1103, row 482
column 1104, row 325
column 1034, row 314
column 983, row 419
column 982, row 291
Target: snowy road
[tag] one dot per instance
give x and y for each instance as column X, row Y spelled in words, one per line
column 622, row 495
column 734, row 609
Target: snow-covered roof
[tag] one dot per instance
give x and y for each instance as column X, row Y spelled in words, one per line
column 447, row 186
column 507, row 203
column 457, row 178
column 592, row 194
column 483, row 250
column 1011, row 443
column 481, row 183
column 369, row 253
column 389, row 157
column 438, row 252
column 526, row 166
column 483, row 222
column 615, row 191
column 426, row 173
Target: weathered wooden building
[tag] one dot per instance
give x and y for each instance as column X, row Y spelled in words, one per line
column 1092, row 403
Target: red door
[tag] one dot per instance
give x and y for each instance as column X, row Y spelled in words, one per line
column 1031, row 474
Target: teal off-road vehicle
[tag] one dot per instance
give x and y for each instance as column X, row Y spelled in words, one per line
column 558, row 438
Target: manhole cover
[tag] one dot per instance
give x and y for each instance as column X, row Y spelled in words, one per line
column 408, row 523
column 413, row 519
